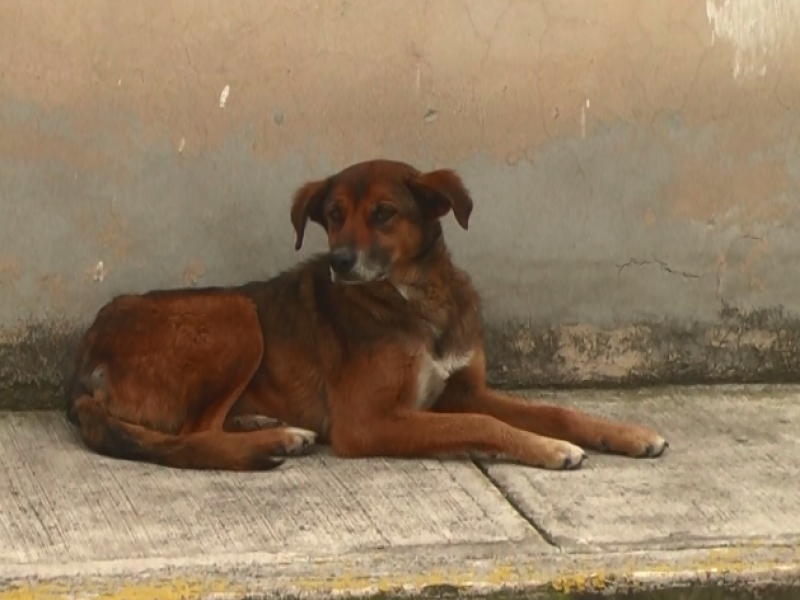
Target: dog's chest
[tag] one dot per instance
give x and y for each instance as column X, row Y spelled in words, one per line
column 433, row 375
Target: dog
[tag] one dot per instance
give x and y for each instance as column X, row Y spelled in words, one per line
column 374, row 348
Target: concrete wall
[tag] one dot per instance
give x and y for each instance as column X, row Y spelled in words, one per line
column 635, row 166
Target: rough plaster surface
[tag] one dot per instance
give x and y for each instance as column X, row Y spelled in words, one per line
column 635, row 165
column 721, row 508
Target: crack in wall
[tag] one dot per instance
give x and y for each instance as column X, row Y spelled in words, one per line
column 635, row 262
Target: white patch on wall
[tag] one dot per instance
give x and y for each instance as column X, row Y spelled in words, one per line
column 223, row 97
column 587, row 105
column 100, row 272
column 758, row 30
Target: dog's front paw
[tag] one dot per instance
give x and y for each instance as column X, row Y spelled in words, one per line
column 560, row 456
column 648, row 444
column 635, row 441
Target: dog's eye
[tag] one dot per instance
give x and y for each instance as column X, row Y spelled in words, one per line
column 383, row 214
column 335, row 216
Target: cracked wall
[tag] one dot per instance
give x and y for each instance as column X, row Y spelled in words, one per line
column 635, row 165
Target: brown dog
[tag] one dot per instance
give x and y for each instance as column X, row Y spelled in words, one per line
column 374, row 347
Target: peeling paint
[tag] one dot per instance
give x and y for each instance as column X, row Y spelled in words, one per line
column 9, row 270
column 223, row 97
column 100, row 271
column 758, row 30
column 194, row 271
column 757, row 346
column 584, row 109
column 614, row 358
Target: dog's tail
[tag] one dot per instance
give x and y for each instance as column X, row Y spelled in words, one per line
column 207, row 450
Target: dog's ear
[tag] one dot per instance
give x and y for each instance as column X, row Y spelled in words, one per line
column 439, row 191
column 307, row 204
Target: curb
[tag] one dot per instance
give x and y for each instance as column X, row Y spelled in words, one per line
column 495, row 571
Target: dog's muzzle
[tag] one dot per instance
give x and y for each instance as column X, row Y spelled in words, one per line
column 351, row 266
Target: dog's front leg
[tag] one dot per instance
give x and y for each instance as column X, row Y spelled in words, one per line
column 409, row 433
column 553, row 421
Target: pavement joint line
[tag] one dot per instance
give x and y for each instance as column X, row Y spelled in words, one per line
column 513, row 503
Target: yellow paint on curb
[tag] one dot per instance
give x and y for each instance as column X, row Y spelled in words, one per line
column 565, row 579
column 171, row 589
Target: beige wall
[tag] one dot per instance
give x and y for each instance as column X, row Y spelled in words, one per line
column 635, row 163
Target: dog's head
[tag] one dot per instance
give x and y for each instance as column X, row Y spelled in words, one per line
column 380, row 216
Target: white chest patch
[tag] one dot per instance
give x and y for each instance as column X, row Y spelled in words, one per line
column 434, row 373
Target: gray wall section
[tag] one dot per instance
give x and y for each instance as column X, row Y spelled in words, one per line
column 634, row 164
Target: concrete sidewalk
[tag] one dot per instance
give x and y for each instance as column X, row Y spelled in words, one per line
column 723, row 505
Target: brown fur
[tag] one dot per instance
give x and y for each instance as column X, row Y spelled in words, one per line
column 176, row 377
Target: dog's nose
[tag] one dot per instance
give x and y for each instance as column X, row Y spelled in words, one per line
column 343, row 260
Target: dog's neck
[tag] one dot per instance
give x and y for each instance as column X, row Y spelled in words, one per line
column 433, row 287
column 429, row 270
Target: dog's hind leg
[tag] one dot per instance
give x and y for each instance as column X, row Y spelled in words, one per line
column 159, row 379
column 207, row 450
column 202, row 442
column 212, row 417
column 266, row 434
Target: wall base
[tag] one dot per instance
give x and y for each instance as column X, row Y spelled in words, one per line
column 741, row 347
